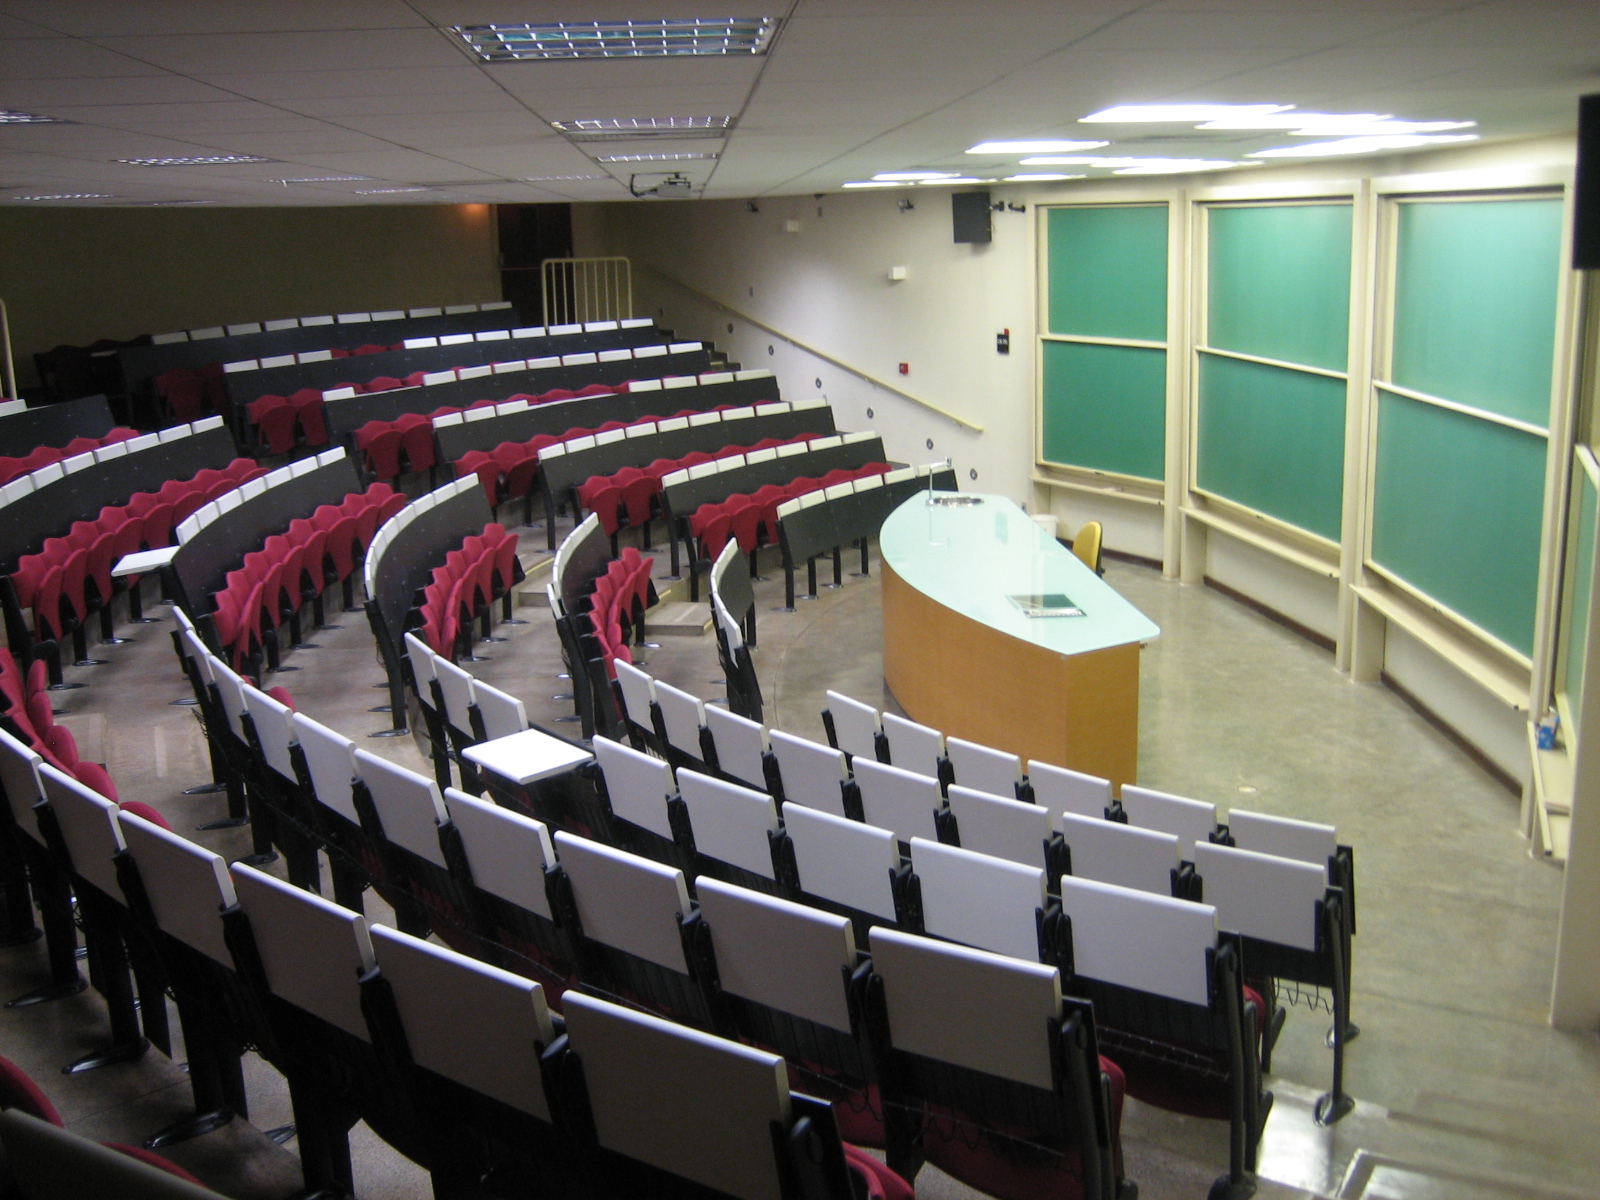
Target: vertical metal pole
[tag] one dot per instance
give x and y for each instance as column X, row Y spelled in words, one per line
column 11, row 370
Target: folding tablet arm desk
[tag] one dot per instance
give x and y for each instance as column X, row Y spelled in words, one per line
column 960, row 656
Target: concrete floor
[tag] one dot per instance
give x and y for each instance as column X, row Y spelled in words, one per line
column 1462, row 1089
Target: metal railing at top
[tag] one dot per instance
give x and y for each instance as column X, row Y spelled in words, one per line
column 587, row 289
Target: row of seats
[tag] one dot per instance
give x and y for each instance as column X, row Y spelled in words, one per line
column 618, row 603
column 292, row 569
column 462, row 591
column 752, row 520
column 283, row 422
column 70, row 577
column 186, row 391
column 26, row 699
column 43, row 456
column 631, row 496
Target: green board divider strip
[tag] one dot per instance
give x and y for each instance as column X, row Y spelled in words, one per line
column 1272, row 439
column 1475, row 302
column 1107, row 269
column 1278, row 282
column 1105, row 408
column 1575, row 614
column 1457, row 511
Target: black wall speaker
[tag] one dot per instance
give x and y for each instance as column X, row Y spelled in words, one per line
column 969, row 214
column 1586, row 206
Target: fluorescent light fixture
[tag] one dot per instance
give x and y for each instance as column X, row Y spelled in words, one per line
column 1335, row 124
column 10, row 116
column 69, row 196
column 1178, row 166
column 611, row 129
column 1041, row 177
column 387, row 191
column 668, row 38
column 559, row 178
column 325, row 179
column 950, row 179
column 1131, row 114
column 693, row 155
column 1363, row 145
column 197, row 160
column 171, row 203
column 878, row 183
column 1060, row 160
column 1046, row 147
column 913, row 176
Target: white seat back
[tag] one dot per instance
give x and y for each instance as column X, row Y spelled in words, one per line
column 639, row 785
column 731, row 824
column 19, row 775
column 331, row 763
column 625, row 901
column 680, row 1100
column 187, row 885
column 503, row 714
column 506, row 852
column 741, row 743
column 312, row 951
column 409, row 806
column 422, row 658
column 804, row 980
column 638, row 692
column 968, row 1007
column 1111, row 852
column 855, row 726
column 1064, row 791
column 1000, row 826
column 812, row 774
column 1260, row 895
column 496, row 1052
column 88, row 826
column 983, row 768
column 1149, row 943
column 978, row 900
column 230, row 687
column 681, row 715
column 897, row 799
column 1283, row 836
column 913, row 747
column 274, row 729
column 843, row 861
column 455, row 685
column 1190, row 821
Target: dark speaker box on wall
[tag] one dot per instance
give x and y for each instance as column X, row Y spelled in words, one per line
column 969, row 213
column 1586, row 197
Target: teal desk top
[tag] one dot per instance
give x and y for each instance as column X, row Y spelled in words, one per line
column 972, row 560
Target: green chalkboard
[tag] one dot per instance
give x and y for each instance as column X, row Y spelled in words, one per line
column 1575, row 613
column 1456, row 512
column 1273, row 439
column 1278, row 282
column 1475, row 302
column 1105, row 407
column 1108, row 271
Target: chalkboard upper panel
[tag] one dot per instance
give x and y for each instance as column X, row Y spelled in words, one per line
column 1108, row 271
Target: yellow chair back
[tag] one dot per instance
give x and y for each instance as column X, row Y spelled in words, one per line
column 1087, row 545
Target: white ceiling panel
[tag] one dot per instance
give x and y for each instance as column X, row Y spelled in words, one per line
column 332, row 50
column 365, row 85
column 106, row 18
column 65, row 58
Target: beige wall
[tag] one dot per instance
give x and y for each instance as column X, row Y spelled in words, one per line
column 75, row 275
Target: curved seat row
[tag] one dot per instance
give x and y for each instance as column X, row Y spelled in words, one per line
column 462, row 591
column 752, row 520
column 43, row 456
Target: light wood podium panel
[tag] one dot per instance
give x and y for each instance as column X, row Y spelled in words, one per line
column 1074, row 703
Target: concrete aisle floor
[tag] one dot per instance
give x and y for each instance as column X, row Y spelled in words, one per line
column 1462, row 1089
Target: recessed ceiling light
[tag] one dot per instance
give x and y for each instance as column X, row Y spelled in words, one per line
column 560, row 178
column 1059, row 160
column 1133, row 113
column 912, row 176
column 198, row 160
column 1178, row 166
column 10, row 116
column 611, row 129
column 1363, row 145
column 170, row 203
column 1311, row 124
column 69, row 196
column 387, row 191
column 1047, row 147
column 1125, row 165
column 667, row 38
column 877, row 183
column 1041, row 178
column 684, row 157
column 950, row 179
column 324, row 179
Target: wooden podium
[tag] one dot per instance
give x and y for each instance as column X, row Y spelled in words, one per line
column 960, row 655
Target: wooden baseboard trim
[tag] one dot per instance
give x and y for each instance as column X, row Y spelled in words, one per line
column 1272, row 614
column 1489, row 766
